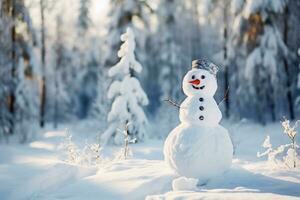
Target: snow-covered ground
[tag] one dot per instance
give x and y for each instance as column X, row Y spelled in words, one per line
column 38, row 170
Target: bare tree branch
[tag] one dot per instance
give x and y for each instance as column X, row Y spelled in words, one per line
column 126, row 148
column 172, row 103
column 225, row 96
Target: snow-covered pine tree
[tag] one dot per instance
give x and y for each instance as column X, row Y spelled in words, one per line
column 27, row 104
column 257, row 39
column 123, row 14
column 100, row 105
column 61, row 98
column 170, row 62
column 127, row 94
column 5, row 68
column 171, row 53
column 84, row 20
column 291, row 34
column 19, row 69
column 87, row 49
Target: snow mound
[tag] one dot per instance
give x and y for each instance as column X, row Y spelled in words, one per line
column 241, row 184
column 184, row 183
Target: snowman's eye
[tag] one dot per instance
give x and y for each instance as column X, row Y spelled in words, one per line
column 193, row 77
column 202, row 77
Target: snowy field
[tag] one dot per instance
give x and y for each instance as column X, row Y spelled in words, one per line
column 38, row 170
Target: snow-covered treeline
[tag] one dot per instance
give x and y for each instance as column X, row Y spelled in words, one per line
column 55, row 58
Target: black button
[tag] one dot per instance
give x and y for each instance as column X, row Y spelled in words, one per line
column 201, row 99
column 201, row 108
column 201, row 117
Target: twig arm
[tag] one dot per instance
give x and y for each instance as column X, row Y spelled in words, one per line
column 225, row 96
column 172, row 103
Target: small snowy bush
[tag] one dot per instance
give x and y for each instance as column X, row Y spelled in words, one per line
column 291, row 158
column 284, row 155
column 90, row 155
column 70, row 149
column 126, row 151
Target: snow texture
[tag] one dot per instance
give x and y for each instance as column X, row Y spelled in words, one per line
column 37, row 170
column 183, row 183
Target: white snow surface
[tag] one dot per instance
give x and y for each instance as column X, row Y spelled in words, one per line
column 37, row 170
column 184, row 183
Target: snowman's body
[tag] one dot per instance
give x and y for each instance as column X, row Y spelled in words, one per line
column 193, row 107
column 199, row 147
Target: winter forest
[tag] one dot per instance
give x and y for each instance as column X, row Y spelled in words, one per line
column 90, row 90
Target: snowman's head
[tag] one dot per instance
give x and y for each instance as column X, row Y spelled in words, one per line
column 199, row 82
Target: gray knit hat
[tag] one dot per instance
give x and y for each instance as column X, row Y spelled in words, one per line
column 206, row 65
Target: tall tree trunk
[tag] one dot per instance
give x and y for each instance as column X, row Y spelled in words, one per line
column 286, row 66
column 12, row 97
column 55, row 115
column 225, row 58
column 43, row 57
column 58, row 54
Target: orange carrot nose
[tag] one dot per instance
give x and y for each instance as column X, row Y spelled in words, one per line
column 195, row 82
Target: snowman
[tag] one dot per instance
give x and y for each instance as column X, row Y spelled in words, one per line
column 199, row 147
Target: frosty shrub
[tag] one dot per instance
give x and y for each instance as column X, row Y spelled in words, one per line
column 284, row 155
column 271, row 153
column 71, row 150
column 89, row 155
column 125, row 152
column 291, row 158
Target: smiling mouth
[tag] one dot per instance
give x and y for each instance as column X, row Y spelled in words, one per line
column 198, row 88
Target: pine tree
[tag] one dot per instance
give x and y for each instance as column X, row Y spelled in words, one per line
column 257, row 39
column 18, row 69
column 170, row 60
column 290, row 30
column 84, row 20
column 27, row 104
column 89, row 63
column 5, row 67
column 61, row 104
column 123, row 14
column 127, row 94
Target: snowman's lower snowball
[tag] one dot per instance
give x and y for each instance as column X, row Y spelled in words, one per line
column 198, row 152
